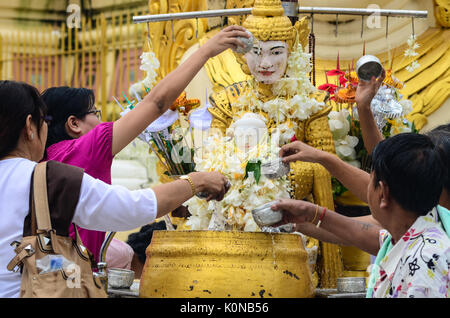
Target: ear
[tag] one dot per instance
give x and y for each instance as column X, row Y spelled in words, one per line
column 29, row 131
column 73, row 127
column 385, row 198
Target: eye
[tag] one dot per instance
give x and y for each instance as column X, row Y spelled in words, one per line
column 277, row 52
column 256, row 51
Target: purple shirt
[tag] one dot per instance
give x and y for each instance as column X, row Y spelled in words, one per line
column 93, row 153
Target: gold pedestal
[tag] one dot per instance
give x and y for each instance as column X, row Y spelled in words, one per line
column 356, row 262
column 210, row 264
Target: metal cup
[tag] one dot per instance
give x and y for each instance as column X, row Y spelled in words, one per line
column 351, row 284
column 265, row 216
column 120, row 278
column 367, row 67
column 275, row 169
column 248, row 42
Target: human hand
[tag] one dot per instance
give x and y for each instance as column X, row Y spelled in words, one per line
column 225, row 39
column 295, row 211
column 366, row 91
column 213, row 183
column 299, row 151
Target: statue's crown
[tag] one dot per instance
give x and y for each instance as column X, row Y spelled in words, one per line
column 268, row 22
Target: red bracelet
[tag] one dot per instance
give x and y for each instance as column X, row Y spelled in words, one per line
column 321, row 217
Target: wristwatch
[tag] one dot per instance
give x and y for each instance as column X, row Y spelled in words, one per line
column 188, row 179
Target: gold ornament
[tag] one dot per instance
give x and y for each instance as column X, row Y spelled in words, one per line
column 442, row 12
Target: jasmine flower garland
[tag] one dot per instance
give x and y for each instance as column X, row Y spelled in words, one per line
column 220, row 154
column 410, row 52
column 149, row 64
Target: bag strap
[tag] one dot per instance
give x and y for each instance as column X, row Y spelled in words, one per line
column 41, row 211
column 40, row 198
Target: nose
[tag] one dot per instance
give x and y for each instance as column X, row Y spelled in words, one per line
column 265, row 62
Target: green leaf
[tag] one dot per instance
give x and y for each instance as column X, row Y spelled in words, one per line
column 338, row 188
column 414, row 129
column 255, row 167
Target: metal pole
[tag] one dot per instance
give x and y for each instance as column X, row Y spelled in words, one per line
column 364, row 12
column 301, row 10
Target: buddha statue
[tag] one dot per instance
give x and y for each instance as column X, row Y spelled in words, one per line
column 279, row 90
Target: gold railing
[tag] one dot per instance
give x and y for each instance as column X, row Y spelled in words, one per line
column 103, row 55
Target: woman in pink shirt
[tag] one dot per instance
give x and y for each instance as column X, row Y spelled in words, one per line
column 77, row 137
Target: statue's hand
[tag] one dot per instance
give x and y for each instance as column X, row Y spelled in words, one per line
column 299, row 151
column 225, row 39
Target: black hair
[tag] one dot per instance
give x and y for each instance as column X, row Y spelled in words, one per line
column 17, row 101
column 441, row 138
column 140, row 240
column 410, row 166
column 62, row 103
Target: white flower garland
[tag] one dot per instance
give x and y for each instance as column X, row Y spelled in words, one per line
column 149, row 64
column 220, row 154
column 411, row 52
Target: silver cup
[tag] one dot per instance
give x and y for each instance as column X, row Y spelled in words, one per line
column 248, row 42
column 120, row 278
column 275, row 169
column 351, row 284
column 367, row 67
column 265, row 216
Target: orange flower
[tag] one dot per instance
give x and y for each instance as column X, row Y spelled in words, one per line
column 345, row 95
column 183, row 104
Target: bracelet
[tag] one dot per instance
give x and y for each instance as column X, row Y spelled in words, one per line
column 315, row 215
column 187, row 178
column 321, row 217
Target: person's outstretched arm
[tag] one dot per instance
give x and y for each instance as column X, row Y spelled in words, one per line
column 365, row 92
column 105, row 207
column 354, row 179
column 161, row 97
column 334, row 227
column 323, row 235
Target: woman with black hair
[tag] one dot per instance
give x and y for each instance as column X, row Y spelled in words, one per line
column 139, row 242
column 73, row 195
column 77, row 136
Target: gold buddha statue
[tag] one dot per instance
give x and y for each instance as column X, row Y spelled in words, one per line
column 269, row 64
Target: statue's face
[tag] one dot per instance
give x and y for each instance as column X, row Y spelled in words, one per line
column 267, row 60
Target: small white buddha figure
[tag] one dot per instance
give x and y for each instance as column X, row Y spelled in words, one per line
column 248, row 131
